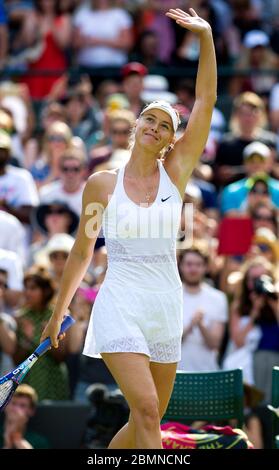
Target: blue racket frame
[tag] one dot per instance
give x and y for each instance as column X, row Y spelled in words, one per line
column 18, row 374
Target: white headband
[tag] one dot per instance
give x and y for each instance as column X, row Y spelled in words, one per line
column 167, row 108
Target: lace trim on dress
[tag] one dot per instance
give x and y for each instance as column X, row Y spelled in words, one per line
column 168, row 351
column 114, row 247
column 117, row 253
column 144, row 259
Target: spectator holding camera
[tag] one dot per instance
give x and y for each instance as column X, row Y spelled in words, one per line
column 254, row 325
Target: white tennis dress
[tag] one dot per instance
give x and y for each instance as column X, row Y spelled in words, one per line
column 139, row 305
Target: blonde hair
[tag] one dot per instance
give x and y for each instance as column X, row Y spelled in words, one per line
column 122, row 115
column 250, row 99
column 75, row 154
column 257, row 261
column 25, row 390
column 6, row 121
column 60, row 128
column 164, row 151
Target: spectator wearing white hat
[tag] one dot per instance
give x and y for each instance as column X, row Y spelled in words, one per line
column 57, row 250
column 258, row 165
column 258, row 56
column 156, row 87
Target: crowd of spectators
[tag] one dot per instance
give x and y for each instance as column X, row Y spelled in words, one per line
column 57, row 128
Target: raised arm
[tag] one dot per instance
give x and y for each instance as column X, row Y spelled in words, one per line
column 80, row 255
column 189, row 147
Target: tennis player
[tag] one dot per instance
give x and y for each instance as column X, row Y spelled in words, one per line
column 136, row 325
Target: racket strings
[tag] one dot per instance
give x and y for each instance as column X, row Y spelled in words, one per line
column 5, row 390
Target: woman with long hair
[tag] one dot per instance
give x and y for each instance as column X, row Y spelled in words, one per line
column 136, row 325
column 50, row 380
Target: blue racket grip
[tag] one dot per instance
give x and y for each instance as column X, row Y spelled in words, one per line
column 46, row 344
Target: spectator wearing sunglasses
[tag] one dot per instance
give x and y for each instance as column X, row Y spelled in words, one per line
column 69, row 187
column 57, row 138
column 116, row 153
column 52, row 112
column 259, row 192
column 265, row 243
column 265, row 216
column 258, row 164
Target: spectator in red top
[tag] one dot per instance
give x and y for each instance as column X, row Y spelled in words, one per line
column 54, row 30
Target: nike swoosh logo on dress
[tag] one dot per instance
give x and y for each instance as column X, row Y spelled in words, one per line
column 163, row 200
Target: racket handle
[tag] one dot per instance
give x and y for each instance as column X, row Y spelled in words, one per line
column 46, row 344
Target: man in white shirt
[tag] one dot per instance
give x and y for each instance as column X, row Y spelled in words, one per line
column 18, row 193
column 11, row 267
column 102, row 35
column 205, row 314
column 69, row 188
column 12, row 235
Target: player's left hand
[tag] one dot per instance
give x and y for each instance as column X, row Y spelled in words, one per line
column 191, row 21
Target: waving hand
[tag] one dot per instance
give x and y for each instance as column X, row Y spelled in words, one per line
column 191, row 21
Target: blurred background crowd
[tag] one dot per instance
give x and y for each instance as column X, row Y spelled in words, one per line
column 74, row 77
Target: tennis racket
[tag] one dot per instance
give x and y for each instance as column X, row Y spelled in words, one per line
column 10, row 381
